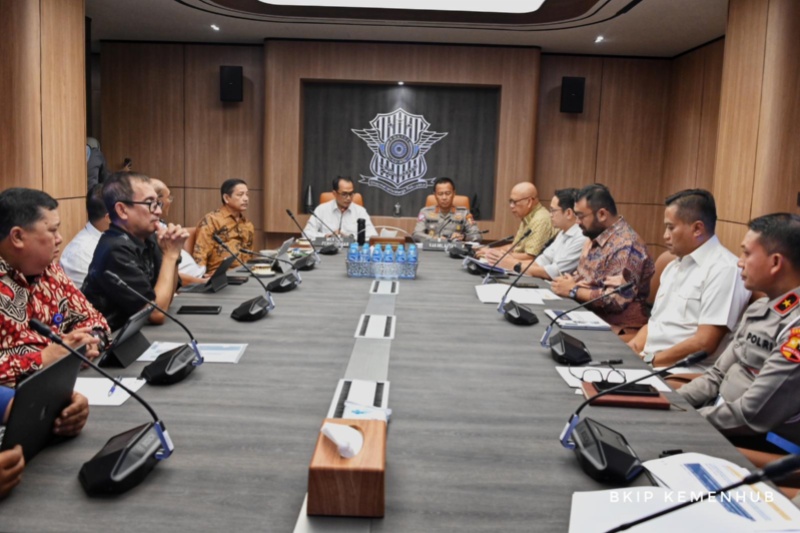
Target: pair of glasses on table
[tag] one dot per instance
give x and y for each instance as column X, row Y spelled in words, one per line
column 593, row 375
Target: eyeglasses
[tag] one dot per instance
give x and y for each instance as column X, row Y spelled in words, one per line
column 346, row 194
column 513, row 202
column 556, row 210
column 152, row 205
column 591, row 375
column 169, row 198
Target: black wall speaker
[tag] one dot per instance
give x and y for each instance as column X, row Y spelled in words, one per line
column 572, row 94
column 230, row 84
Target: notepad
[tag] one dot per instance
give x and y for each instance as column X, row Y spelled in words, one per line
column 212, row 353
column 99, row 390
column 579, row 320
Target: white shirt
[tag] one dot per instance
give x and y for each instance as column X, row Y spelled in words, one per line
column 77, row 256
column 563, row 254
column 704, row 287
column 345, row 221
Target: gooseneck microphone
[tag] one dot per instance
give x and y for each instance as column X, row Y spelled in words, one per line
column 602, row 452
column 333, row 232
column 774, row 470
column 328, row 249
column 566, row 349
column 489, row 278
column 174, row 365
column 515, row 313
column 127, row 458
column 257, row 307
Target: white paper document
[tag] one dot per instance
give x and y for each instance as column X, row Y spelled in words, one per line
column 579, row 320
column 101, row 391
column 600, row 373
column 686, row 477
column 212, row 353
column 492, row 293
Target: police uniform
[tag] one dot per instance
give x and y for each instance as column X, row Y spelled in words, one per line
column 432, row 223
column 754, row 386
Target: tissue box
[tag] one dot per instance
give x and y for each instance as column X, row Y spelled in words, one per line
column 349, row 487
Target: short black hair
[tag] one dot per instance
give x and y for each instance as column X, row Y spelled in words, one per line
column 779, row 233
column 95, row 207
column 228, row 186
column 598, row 197
column 23, row 207
column 693, row 205
column 443, row 179
column 118, row 188
column 566, row 198
column 337, row 179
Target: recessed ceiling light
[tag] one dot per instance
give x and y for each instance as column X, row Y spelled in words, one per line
column 401, row 83
column 600, row 39
column 215, row 27
column 496, row 6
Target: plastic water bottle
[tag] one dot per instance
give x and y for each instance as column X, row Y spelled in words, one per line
column 353, row 261
column 401, row 262
column 377, row 259
column 401, row 254
column 365, row 269
column 411, row 268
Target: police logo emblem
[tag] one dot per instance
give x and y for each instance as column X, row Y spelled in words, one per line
column 791, row 348
column 399, row 142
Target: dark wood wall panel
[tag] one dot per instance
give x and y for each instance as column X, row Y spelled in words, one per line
column 143, row 108
column 223, row 139
column 709, row 121
column 515, row 70
column 566, row 144
column 633, row 113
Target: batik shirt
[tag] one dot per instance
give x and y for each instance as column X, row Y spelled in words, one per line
column 50, row 298
column 235, row 231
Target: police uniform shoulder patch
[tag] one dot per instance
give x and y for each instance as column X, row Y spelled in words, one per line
column 791, row 348
column 787, row 303
column 421, row 216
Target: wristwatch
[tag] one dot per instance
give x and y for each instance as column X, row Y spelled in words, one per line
column 573, row 293
column 648, row 358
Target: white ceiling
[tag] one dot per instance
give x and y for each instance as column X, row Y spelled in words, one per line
column 653, row 28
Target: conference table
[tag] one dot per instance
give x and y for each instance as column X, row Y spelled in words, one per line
column 472, row 444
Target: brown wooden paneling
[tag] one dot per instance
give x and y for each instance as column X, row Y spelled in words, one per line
column 730, row 234
column 515, row 70
column 684, row 122
column 742, row 76
column 647, row 220
column 20, row 85
column 202, row 201
column 566, row 143
column 709, row 120
column 633, row 113
column 777, row 171
column 63, row 98
column 223, row 139
column 142, row 108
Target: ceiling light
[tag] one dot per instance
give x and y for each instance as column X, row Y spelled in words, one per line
column 496, row 6
column 215, row 27
column 600, row 39
column 401, row 83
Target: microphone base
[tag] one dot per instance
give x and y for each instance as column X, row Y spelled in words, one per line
column 519, row 315
column 306, row 263
column 568, row 350
column 123, row 463
column 170, row 367
column 127, row 352
column 284, row 283
column 604, row 454
column 251, row 310
column 329, row 249
column 460, row 251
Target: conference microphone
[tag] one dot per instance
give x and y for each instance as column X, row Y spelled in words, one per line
column 603, row 453
column 288, row 281
column 772, row 471
column 127, row 458
column 443, row 225
column 566, row 349
column 255, row 308
column 461, row 249
column 333, row 232
column 171, row 366
column 518, row 314
column 488, row 278
column 328, row 249
column 498, row 241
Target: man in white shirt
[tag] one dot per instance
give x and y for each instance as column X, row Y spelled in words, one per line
column 701, row 296
column 340, row 215
column 77, row 256
column 562, row 255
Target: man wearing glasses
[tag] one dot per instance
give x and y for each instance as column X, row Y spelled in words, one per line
column 614, row 254
column 525, row 205
column 137, row 249
column 340, row 214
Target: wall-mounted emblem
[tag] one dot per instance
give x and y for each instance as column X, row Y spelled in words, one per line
column 399, row 141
